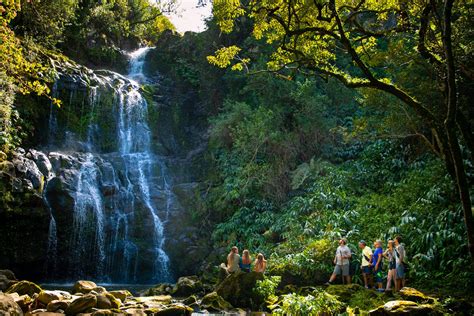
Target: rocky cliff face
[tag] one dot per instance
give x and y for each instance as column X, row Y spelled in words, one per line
column 112, row 190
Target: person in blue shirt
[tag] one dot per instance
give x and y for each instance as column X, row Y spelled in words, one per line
column 377, row 265
column 245, row 261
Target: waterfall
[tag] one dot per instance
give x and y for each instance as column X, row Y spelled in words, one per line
column 118, row 222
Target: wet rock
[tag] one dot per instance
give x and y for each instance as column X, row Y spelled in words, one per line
column 213, row 302
column 57, row 305
column 9, row 307
column 400, row 307
column 24, row 287
column 45, row 297
column 187, row 285
column 104, row 312
column 190, row 300
column 42, row 312
column 116, row 303
column 134, row 311
column 24, row 301
column 30, row 170
column 43, row 163
column 99, row 289
column 175, row 310
column 103, row 302
column 121, row 294
column 411, row 294
column 151, row 301
column 81, row 304
column 237, row 289
column 83, row 286
column 161, row 289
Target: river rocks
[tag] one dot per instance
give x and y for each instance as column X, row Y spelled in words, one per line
column 45, row 297
column 81, row 304
column 213, row 302
column 121, row 294
column 9, row 307
column 56, row 305
column 238, row 289
column 186, row 286
column 24, row 301
column 175, row 310
column 24, row 287
column 401, row 307
column 83, row 286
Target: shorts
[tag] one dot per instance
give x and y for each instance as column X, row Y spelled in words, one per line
column 392, row 266
column 400, row 272
column 344, row 269
column 367, row 269
column 378, row 275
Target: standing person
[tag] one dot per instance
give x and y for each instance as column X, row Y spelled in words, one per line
column 233, row 260
column 260, row 264
column 377, row 264
column 341, row 260
column 400, row 265
column 392, row 265
column 245, row 262
column 365, row 266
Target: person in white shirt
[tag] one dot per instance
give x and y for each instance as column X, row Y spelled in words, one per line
column 341, row 260
column 365, row 266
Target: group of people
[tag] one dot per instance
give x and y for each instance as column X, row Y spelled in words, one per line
column 372, row 264
column 237, row 263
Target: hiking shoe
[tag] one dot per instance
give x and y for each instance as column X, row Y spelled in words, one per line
column 327, row 283
column 367, row 287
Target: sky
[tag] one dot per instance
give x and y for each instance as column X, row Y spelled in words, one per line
column 190, row 17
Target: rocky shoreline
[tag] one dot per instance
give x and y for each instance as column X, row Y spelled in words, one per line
column 190, row 295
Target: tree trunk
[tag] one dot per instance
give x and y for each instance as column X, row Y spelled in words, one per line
column 451, row 127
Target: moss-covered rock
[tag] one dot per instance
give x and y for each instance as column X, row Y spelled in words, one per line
column 411, row 294
column 238, row 289
column 187, row 285
column 121, row 294
column 345, row 292
column 81, row 304
column 175, row 310
column 213, row 302
column 83, row 286
column 401, row 307
column 57, row 305
column 24, row 287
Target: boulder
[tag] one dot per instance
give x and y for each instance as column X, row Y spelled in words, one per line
column 400, row 307
column 8, row 274
column 161, row 289
column 42, row 312
column 24, row 287
column 213, row 302
column 157, row 300
column 190, row 300
column 81, row 304
column 187, row 285
column 237, row 289
column 121, row 294
column 175, row 310
column 134, row 311
column 116, row 303
column 57, row 305
column 411, row 294
column 103, row 312
column 9, row 307
column 45, row 296
column 345, row 292
column 24, row 301
column 103, row 302
column 84, row 287
column 42, row 161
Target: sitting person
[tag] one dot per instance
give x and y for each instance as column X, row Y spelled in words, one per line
column 260, row 263
column 233, row 260
column 245, row 261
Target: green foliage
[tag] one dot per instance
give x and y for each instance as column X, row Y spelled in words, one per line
column 266, row 289
column 318, row 303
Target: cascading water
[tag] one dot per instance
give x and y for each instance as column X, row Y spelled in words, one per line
column 117, row 228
